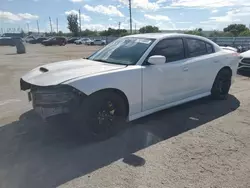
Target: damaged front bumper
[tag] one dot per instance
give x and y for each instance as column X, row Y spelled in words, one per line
column 53, row 100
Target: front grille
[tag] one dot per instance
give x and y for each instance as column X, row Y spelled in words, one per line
column 246, row 60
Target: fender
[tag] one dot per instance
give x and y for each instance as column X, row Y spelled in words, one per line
column 128, row 80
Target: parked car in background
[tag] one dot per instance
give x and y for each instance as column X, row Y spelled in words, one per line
column 29, row 38
column 72, row 40
column 55, row 41
column 96, row 42
column 38, row 40
column 82, row 41
column 245, row 61
column 163, row 70
column 7, row 41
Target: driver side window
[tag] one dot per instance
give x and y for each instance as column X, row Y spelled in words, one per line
column 172, row 49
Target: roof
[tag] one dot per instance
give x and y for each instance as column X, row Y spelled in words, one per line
column 165, row 35
column 159, row 36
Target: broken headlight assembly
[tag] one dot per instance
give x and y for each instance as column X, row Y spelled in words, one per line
column 53, row 95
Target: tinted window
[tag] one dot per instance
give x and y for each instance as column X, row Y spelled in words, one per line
column 209, row 48
column 172, row 49
column 196, row 47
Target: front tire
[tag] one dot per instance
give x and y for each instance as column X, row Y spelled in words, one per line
column 222, row 85
column 104, row 113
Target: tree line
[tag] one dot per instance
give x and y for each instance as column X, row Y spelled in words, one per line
column 233, row 30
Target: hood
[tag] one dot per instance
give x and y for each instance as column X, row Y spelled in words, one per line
column 56, row 73
column 246, row 54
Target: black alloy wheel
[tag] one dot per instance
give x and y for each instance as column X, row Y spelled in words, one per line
column 222, row 84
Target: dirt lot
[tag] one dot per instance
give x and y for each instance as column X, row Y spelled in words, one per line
column 200, row 144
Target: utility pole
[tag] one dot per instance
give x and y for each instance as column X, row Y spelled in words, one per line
column 37, row 26
column 57, row 25
column 135, row 28
column 119, row 25
column 28, row 27
column 130, row 15
column 50, row 25
column 80, row 21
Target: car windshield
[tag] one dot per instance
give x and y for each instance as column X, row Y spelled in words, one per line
column 124, row 51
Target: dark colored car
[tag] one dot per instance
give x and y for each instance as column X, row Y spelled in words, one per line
column 38, row 40
column 55, row 41
column 72, row 40
column 7, row 41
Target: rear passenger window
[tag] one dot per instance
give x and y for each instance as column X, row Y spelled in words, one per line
column 172, row 49
column 196, row 47
column 209, row 48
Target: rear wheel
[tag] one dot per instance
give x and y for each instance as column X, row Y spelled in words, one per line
column 222, row 85
column 104, row 113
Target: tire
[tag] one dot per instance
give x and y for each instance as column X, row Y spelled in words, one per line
column 221, row 85
column 104, row 113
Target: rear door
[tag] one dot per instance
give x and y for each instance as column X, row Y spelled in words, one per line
column 203, row 65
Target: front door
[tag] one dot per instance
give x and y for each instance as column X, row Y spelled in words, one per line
column 167, row 83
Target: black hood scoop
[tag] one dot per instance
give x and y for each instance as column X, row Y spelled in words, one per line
column 42, row 69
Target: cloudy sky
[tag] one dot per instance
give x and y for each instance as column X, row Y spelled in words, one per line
column 101, row 14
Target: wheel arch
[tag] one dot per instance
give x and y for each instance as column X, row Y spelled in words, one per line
column 226, row 68
column 118, row 92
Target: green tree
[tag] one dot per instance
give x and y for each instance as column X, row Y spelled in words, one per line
column 73, row 24
column 88, row 32
column 245, row 33
column 114, row 32
column 195, row 32
column 60, row 33
column 236, row 29
column 149, row 29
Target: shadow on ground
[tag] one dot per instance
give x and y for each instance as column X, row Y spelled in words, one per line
column 35, row 154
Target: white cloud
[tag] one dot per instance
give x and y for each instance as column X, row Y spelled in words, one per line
column 76, row 1
column 184, row 22
column 214, row 11
column 107, row 10
column 142, row 4
column 157, row 17
column 71, row 12
column 161, row 1
column 234, row 15
column 238, row 15
column 84, row 17
column 17, row 17
column 210, row 3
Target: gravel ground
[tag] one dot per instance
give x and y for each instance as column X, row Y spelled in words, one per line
column 204, row 143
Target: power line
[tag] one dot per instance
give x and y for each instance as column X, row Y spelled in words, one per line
column 130, row 15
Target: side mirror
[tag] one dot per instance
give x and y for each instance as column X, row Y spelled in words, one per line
column 157, row 59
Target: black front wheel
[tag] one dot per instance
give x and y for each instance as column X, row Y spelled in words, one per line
column 222, row 85
column 104, row 113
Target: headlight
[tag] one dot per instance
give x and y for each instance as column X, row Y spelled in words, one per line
column 52, row 95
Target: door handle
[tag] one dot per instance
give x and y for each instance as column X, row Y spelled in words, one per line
column 185, row 68
column 216, row 61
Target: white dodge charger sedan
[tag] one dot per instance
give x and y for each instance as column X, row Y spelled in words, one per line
column 132, row 77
